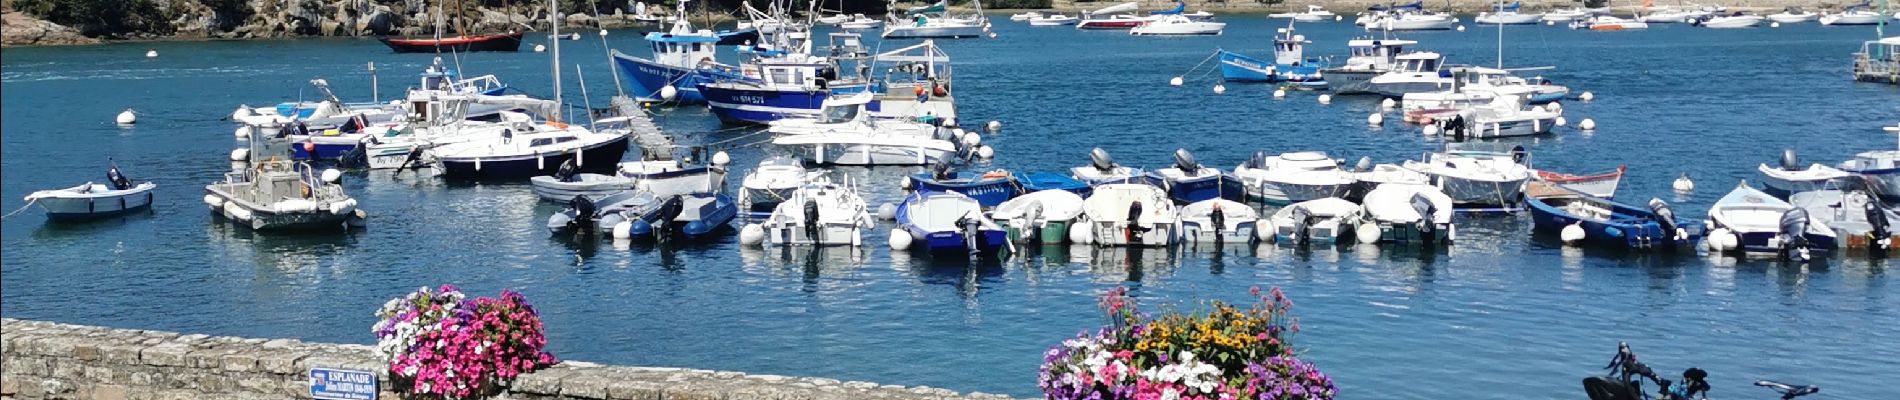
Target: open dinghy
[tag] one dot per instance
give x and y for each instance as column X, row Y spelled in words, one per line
column 93, row 200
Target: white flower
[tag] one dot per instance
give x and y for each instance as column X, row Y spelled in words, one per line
column 1170, row 394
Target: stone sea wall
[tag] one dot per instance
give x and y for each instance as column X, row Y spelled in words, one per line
column 45, row 360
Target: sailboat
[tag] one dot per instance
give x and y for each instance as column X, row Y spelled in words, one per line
column 461, row 42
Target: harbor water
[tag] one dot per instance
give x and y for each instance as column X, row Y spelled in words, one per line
column 1502, row 314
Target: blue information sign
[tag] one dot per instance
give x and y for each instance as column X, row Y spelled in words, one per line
column 342, row 384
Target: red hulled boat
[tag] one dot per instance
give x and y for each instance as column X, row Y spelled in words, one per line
column 499, row 42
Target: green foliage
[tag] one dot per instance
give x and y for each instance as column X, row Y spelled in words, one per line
column 102, row 17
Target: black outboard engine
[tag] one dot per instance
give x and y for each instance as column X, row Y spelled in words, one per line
column 119, row 182
column 941, row 171
column 1219, row 220
column 1882, row 228
column 663, row 221
column 1099, row 159
column 1184, row 161
column 413, row 161
column 1457, row 126
column 566, row 172
column 1301, row 219
column 1425, row 210
column 1665, row 219
column 1788, row 161
column 811, row 221
column 1134, row 227
column 1794, row 239
column 1518, row 153
column 583, row 209
column 971, row 239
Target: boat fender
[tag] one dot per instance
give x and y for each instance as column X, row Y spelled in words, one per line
column 214, row 201
column 1788, row 162
column 310, row 148
column 888, row 211
column 985, row 152
column 1665, row 218
column 1368, row 232
column 1364, row 164
column 237, row 212
column 900, row 239
column 1572, row 233
column 751, row 234
column 1184, row 161
column 1083, row 233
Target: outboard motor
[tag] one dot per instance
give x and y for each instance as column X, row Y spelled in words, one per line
column 1665, row 219
column 941, row 171
column 1364, row 165
column 1031, row 232
column 1882, row 227
column 583, row 209
column 119, row 182
column 1788, row 160
column 811, row 221
column 1457, row 126
column 663, row 218
column 413, row 160
column 1134, row 229
column 566, row 172
column 1258, row 161
column 1425, row 210
column 1184, row 161
column 1100, row 160
column 1518, row 153
column 1794, row 239
column 1219, row 220
column 971, row 240
column 1301, row 219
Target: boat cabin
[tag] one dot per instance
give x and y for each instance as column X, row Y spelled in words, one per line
column 1374, row 53
column 684, row 51
column 842, row 109
column 1878, row 61
column 1289, row 48
column 1424, row 61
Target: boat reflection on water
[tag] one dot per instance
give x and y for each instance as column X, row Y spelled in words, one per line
column 812, row 264
column 969, row 276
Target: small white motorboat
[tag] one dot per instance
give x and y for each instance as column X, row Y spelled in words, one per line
column 1859, row 15
column 1401, row 213
column 1478, row 174
column 1123, row 214
column 1505, row 116
column 1507, row 14
column 1417, row 72
column 1040, row 217
column 1218, row 221
column 773, row 181
column 1324, row 221
column 1859, row 220
column 869, row 148
column 274, row 194
column 563, row 186
column 1294, row 177
column 861, row 22
column 1412, row 21
column 1789, row 178
column 1608, row 23
column 1751, row 221
column 1371, row 177
column 1668, row 16
column 668, row 177
column 1793, row 15
column 1025, row 16
column 1178, row 25
column 1738, row 20
column 118, row 196
column 1565, row 16
column 1601, row 185
column 1103, row 170
column 819, row 213
column 1313, row 13
column 1053, row 20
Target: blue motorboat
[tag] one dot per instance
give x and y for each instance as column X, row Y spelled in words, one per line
column 697, row 216
column 679, row 54
column 1290, row 64
column 988, row 188
column 1032, row 182
column 1578, row 217
column 1188, row 181
column 947, row 224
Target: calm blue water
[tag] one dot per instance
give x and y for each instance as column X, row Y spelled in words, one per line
column 1499, row 316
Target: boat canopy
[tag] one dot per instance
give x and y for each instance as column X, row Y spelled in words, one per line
column 1416, row 5
column 1508, row 7
column 937, row 8
column 1179, row 6
column 707, row 37
column 1116, row 9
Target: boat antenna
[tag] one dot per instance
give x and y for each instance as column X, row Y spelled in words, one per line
column 555, row 49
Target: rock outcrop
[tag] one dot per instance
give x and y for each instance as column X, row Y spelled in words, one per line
column 19, row 29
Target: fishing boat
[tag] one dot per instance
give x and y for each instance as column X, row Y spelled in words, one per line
column 1608, row 23
column 1371, row 177
column 1290, row 63
column 776, row 179
column 117, row 196
column 1039, row 181
column 275, row 194
column 1858, row 14
column 1177, row 25
column 1293, row 177
column 1582, row 218
column 1478, row 174
column 1119, row 16
column 947, row 223
column 1326, row 222
column 934, row 21
column 1507, row 14
column 918, row 84
column 1102, row 169
column 1736, row 20
column 1789, row 178
column 1054, row 20
column 1859, row 220
column 1878, row 61
column 1667, row 16
column 989, row 188
column 1793, row 15
column 1369, row 58
column 1751, row 221
column 665, row 175
column 1042, row 217
column 1025, row 16
column 1405, row 214
column 585, row 215
column 1313, row 13
column 1566, row 15
column 793, row 85
column 673, row 74
column 1124, row 214
column 850, row 113
column 1411, row 73
column 820, row 213
column 1601, row 185
column 565, row 183
column 1187, row 181
column 1218, row 221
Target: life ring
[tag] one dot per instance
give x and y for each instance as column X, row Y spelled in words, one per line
column 917, row 90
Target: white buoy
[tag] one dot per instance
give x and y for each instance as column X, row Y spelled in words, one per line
column 151, row 54
column 1555, row 107
column 242, row 111
column 1263, row 235
column 332, row 175
column 992, row 35
column 1587, row 124
column 1375, row 119
column 1279, row 93
column 1339, row 18
column 1683, row 184
column 603, row 33
column 1175, row 82
column 1461, row 28
column 721, row 158
column 623, row 230
column 1430, row 130
column 1326, row 99
column 886, row 211
column 1081, row 233
column 752, row 234
column 240, row 154
column 1587, row 96
column 575, row 36
column 1561, row 121
column 985, row 152
column 1721, row 239
column 242, row 132
column 1367, row 233
column 994, row 126
column 540, row 48
column 1572, row 233
column 971, row 139
column 668, row 92
column 906, row 183
column 214, row 201
column 1389, row 103
column 900, row 239
column 1219, row 88
column 127, row 117
column 1550, row 23
column 1774, row 24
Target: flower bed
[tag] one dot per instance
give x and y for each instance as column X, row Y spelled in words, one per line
column 442, row 344
column 1226, row 353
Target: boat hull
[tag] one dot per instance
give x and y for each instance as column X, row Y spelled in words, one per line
column 647, row 79
column 988, row 192
column 1631, row 228
column 549, row 189
column 766, row 199
column 600, row 159
column 1477, row 193
column 1351, row 81
column 1196, row 189
column 1235, row 67
column 758, row 106
column 507, row 42
column 932, row 32
column 1288, row 193
column 89, row 208
column 1241, row 233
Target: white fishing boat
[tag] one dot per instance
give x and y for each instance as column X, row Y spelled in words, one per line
column 934, row 21
column 1178, row 25
column 1473, row 86
column 274, row 194
column 1608, row 23
column 821, row 213
column 1025, row 16
column 1565, row 16
column 1478, row 174
column 1313, row 13
column 846, row 114
column 1103, row 170
column 1750, row 221
column 1737, row 20
column 1218, row 221
column 880, row 148
column 773, row 181
column 1408, row 214
column 1119, row 16
column 1666, row 15
column 1412, row 73
column 1793, row 15
column 1369, row 57
column 1789, row 177
column 118, row 196
column 918, row 84
column 1294, row 177
column 1123, row 214
column 663, row 175
column 1505, row 116
column 1322, row 221
column 1042, row 217
column 1054, row 20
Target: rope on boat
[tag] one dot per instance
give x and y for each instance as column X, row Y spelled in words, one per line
column 1197, row 66
column 29, row 203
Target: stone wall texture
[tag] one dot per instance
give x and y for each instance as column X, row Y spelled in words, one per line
column 45, row 360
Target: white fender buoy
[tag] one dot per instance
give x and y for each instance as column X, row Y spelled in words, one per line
column 575, row 36
column 1451, row 233
column 900, row 239
column 1721, row 239
column 752, row 234
column 1279, row 93
column 994, row 126
column 1572, row 233
column 1587, row 124
column 1539, row 109
column 127, row 117
column 1081, row 233
column 721, row 158
column 905, row 183
column 971, row 139
column 1367, row 233
column 1774, row 24
column 214, row 201
column 886, row 211
column 1461, row 28
column 1561, row 121
column 1555, row 107
column 151, row 54
column 1339, row 18
column 623, row 230
column 603, row 33
column 1219, row 88
column 1375, row 119
column 242, row 132
column 992, row 35
column 1263, row 230
column 985, row 152
column 1175, row 82
column 668, row 92
column 1430, row 130
column 1587, row 96
column 1388, row 103
column 1683, row 184
column 539, row 48
column 1550, row 23
column 240, row 154
column 1326, row 99
column 332, row 175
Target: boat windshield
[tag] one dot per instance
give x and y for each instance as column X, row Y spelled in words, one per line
column 840, row 114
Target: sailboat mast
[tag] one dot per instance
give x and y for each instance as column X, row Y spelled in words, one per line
column 1499, row 9
column 555, row 45
column 461, row 19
